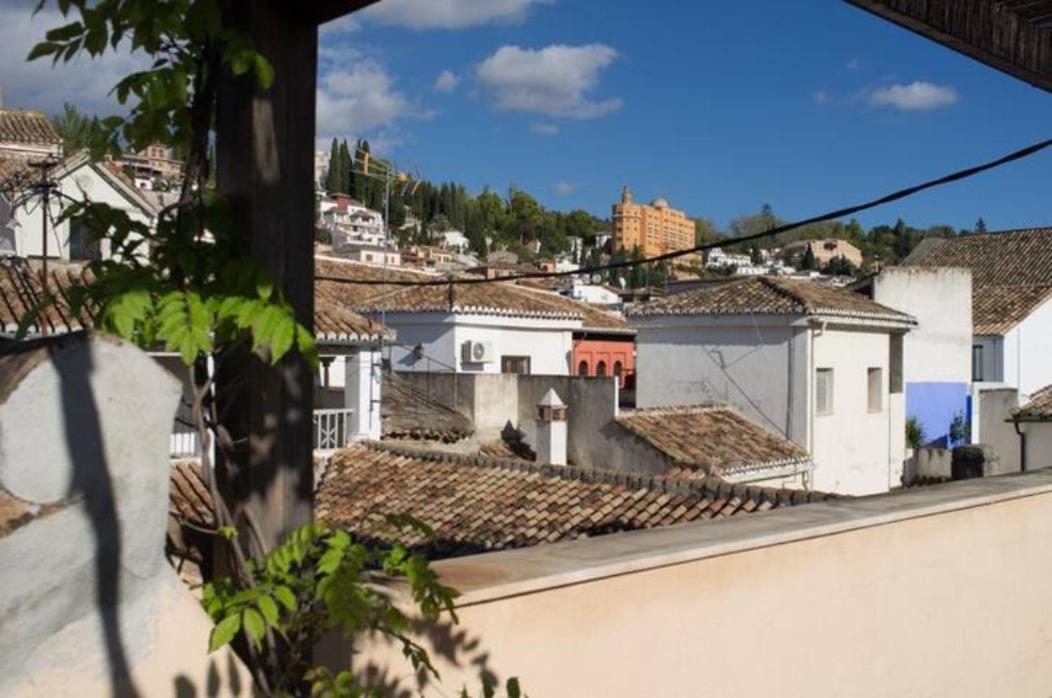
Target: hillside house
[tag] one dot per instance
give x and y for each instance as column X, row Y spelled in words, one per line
column 817, row 365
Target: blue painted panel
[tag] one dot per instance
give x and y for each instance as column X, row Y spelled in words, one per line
column 935, row 405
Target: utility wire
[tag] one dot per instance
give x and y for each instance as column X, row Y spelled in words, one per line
column 839, row 213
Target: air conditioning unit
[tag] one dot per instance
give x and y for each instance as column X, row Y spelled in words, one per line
column 477, row 352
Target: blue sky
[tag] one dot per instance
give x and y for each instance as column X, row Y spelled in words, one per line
column 719, row 107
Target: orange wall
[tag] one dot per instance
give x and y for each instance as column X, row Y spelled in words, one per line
column 609, row 350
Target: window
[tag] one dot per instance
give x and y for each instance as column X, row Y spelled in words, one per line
column 824, row 391
column 977, row 362
column 618, row 369
column 515, row 364
column 582, row 368
column 82, row 248
column 600, row 369
column 874, row 389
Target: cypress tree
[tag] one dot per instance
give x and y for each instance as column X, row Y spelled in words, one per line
column 332, row 177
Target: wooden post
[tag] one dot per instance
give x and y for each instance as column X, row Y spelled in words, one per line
column 265, row 145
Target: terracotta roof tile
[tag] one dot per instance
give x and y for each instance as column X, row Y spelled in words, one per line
column 477, row 503
column 1038, row 407
column 769, row 295
column 710, row 439
column 29, row 127
column 1011, row 272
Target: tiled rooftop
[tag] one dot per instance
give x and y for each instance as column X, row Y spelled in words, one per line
column 21, row 289
column 711, row 440
column 476, row 503
column 1011, row 272
column 770, row 295
column 1038, row 407
column 29, row 127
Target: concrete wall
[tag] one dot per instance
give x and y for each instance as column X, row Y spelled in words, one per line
column 90, row 606
column 1038, row 443
column 993, row 407
column 492, row 401
column 681, row 361
column 852, row 445
column 938, row 592
column 937, row 365
column 547, row 342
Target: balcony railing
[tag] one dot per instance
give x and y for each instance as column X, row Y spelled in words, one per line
column 332, row 428
column 331, row 431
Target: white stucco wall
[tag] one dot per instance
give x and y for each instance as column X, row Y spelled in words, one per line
column 27, row 226
column 1038, row 444
column 939, row 349
column 1032, row 347
column 851, row 447
column 690, row 360
column 547, row 342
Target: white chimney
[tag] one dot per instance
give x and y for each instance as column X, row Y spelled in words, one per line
column 551, row 429
column 361, row 390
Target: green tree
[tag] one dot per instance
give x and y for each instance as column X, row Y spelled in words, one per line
column 980, row 225
column 332, row 177
column 807, row 259
column 79, row 131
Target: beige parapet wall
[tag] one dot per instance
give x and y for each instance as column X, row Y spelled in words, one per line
column 90, row 607
column 938, row 591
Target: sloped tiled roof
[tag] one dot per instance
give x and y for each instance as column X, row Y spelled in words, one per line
column 1038, row 407
column 1011, row 272
column 770, row 295
column 338, row 277
column 29, row 127
column 475, row 503
column 15, row 174
column 712, row 439
column 189, row 499
column 21, row 289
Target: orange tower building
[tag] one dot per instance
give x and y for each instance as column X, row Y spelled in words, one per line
column 654, row 229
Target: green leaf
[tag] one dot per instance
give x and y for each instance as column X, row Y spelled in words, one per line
column 281, row 339
column 264, row 71
column 286, row 597
column 224, row 632
column 269, row 608
column 44, row 48
column 254, row 625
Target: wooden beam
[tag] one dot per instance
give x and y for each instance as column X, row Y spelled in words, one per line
column 265, row 144
column 328, row 10
column 1009, row 36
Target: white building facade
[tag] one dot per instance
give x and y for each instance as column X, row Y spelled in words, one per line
column 829, row 380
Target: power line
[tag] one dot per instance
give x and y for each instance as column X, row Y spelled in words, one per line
column 777, row 230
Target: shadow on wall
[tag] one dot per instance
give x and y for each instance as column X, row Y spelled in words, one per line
column 92, row 481
column 183, row 686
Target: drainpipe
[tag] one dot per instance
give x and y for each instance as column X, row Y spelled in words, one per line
column 1022, row 444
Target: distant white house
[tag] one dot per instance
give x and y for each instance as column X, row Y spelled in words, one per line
column 78, row 178
column 596, row 294
column 820, row 366
column 339, row 212
column 454, row 240
column 483, row 328
column 718, row 258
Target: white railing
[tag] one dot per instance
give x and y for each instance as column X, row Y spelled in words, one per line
column 183, row 444
column 332, row 431
column 332, row 428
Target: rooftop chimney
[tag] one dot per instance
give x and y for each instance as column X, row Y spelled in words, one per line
column 551, row 429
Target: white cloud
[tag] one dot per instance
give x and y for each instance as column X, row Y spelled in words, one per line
column 83, row 81
column 446, row 14
column 446, row 81
column 821, row 97
column 361, row 97
column 915, row 96
column 565, row 188
column 553, row 80
column 544, row 129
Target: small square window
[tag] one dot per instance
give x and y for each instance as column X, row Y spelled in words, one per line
column 875, row 389
column 824, row 391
